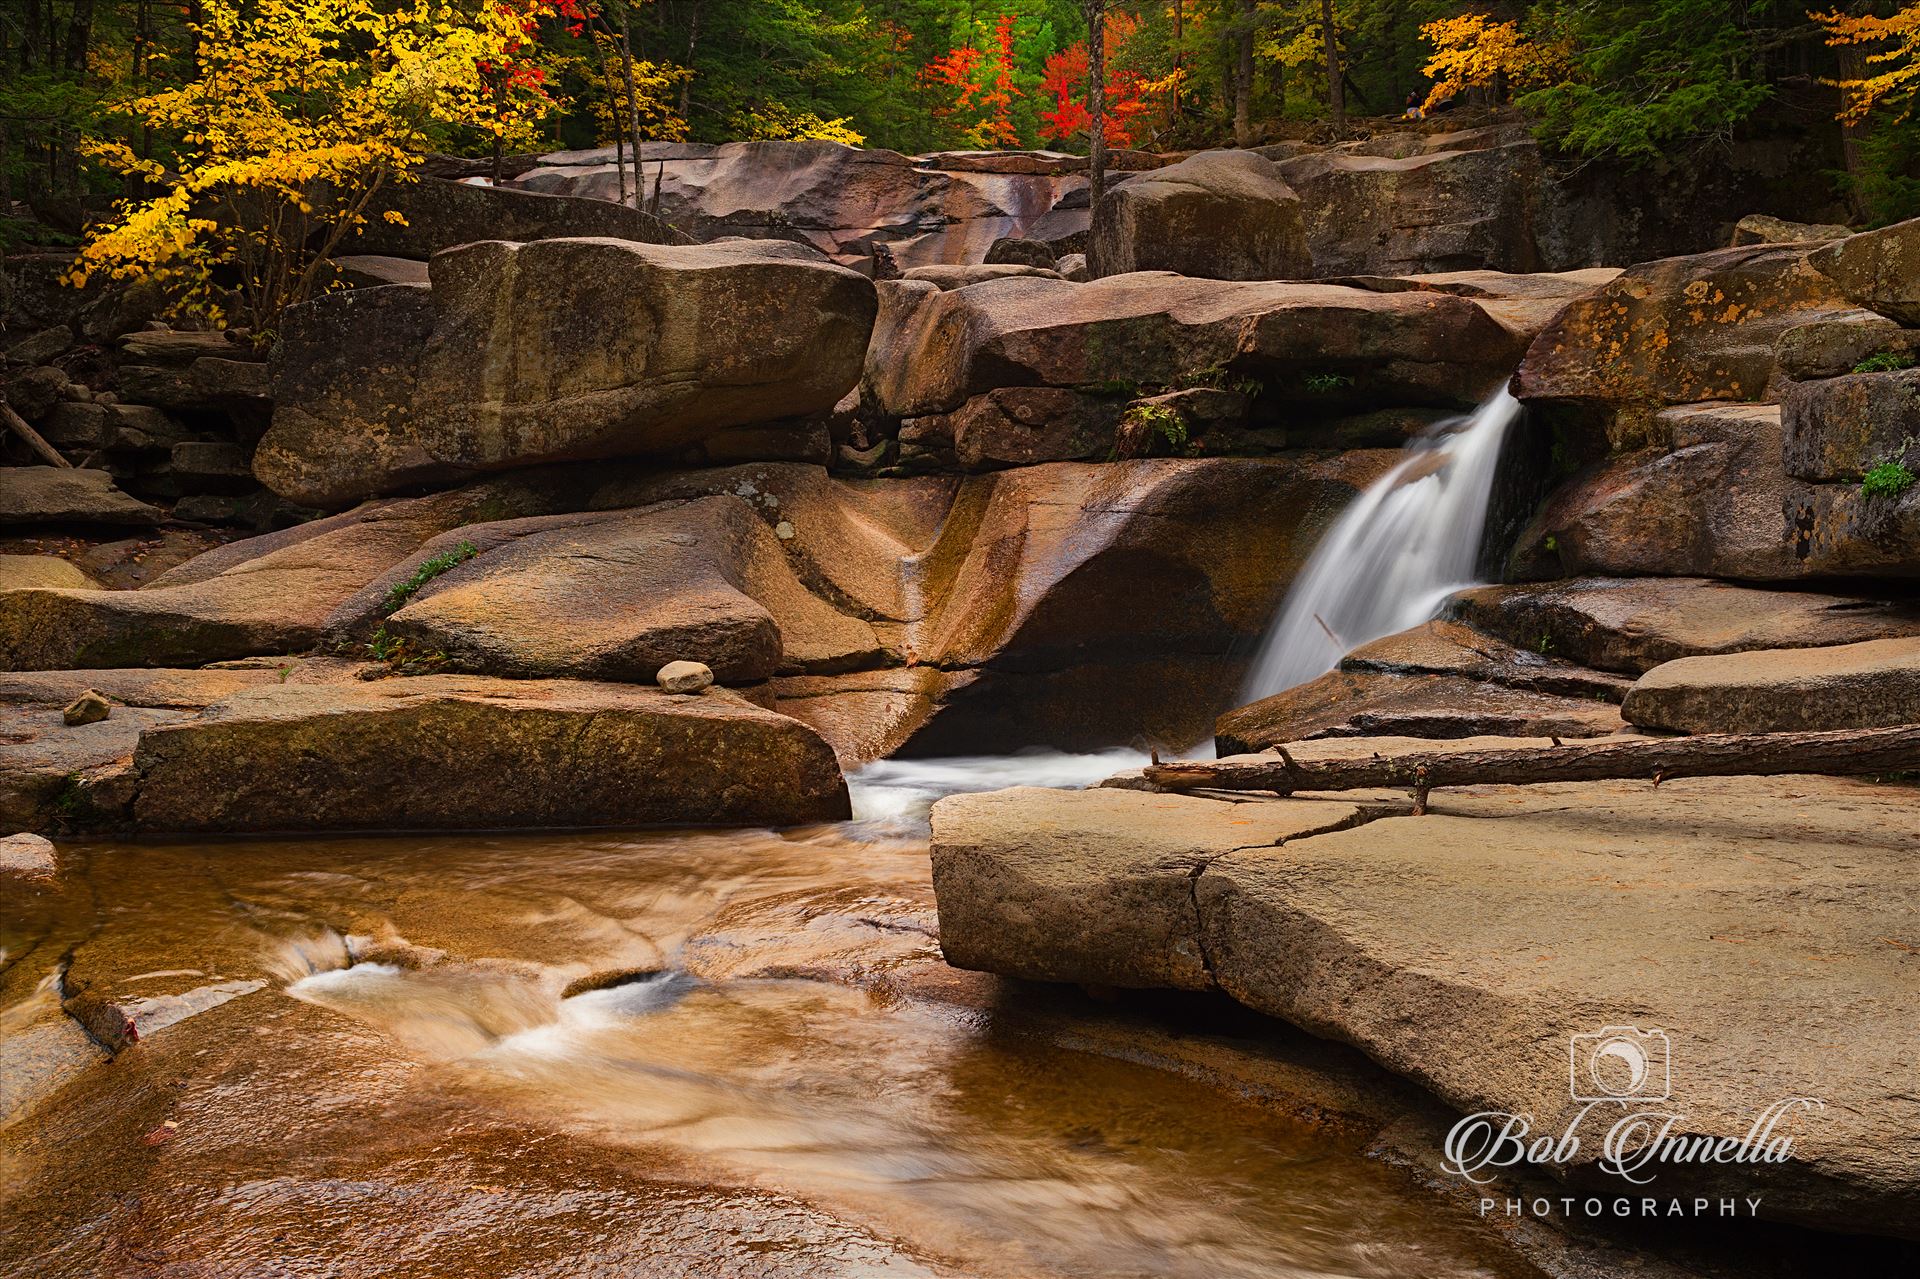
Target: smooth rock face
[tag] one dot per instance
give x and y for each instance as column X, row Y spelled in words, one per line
column 448, row 752
column 1039, row 574
column 440, row 214
column 1875, row 684
column 1713, row 502
column 842, row 200
column 17, row 571
column 1678, row 331
column 1399, row 215
column 1634, row 624
column 67, row 495
column 264, row 595
column 1442, row 647
column 1093, row 886
column 1464, row 949
column 932, row 351
column 1371, row 703
column 1840, row 428
column 1223, row 215
column 557, row 350
column 1879, row 270
column 1832, row 343
column 617, row 595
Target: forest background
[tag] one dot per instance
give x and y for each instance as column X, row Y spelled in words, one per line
column 1633, row 81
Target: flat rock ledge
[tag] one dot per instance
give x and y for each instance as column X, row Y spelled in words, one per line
column 1764, row 925
column 436, row 752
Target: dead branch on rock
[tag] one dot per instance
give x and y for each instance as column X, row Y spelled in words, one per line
column 1847, row 752
column 33, row 439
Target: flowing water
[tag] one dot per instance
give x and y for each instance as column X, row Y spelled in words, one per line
column 1394, row 556
column 707, row 1053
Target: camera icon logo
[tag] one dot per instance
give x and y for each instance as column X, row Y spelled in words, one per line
column 1621, row 1063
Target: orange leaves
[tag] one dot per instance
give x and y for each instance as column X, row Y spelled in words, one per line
column 1472, row 49
column 1897, row 61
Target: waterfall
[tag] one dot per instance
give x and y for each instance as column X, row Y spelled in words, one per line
column 1390, row 560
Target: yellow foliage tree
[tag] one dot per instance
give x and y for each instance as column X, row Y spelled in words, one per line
column 655, row 85
column 1896, row 62
column 772, row 120
column 299, row 111
column 1472, row 49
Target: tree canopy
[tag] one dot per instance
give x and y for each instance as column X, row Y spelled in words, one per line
column 99, row 95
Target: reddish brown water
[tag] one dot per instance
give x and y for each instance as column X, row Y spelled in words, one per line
column 800, row 1088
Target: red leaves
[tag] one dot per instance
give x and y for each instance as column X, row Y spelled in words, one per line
column 1065, row 77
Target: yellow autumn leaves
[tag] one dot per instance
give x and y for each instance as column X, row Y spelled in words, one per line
column 298, row 112
column 1896, row 63
column 1473, row 49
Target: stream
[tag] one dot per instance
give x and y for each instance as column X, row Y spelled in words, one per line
column 712, row 1053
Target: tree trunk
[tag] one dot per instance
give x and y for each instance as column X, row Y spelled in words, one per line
column 1844, row 752
column 1243, row 75
column 633, row 106
column 1179, row 58
column 499, row 140
column 1854, row 66
column 79, row 35
column 693, row 42
column 1096, row 99
column 1336, row 90
column 613, row 117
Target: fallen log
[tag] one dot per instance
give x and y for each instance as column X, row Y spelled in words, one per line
column 1844, row 752
column 32, row 438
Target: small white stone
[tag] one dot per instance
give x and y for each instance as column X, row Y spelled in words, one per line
column 784, row 531
column 684, row 677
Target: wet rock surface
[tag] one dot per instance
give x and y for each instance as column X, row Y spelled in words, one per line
column 1459, row 949
column 1713, row 500
column 411, row 1040
column 1372, row 703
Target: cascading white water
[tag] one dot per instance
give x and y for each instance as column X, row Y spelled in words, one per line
column 1393, row 556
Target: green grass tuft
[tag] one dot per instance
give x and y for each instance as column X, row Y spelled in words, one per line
column 400, row 592
column 1885, row 362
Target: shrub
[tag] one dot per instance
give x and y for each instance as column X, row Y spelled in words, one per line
column 1885, row 362
column 1888, row 479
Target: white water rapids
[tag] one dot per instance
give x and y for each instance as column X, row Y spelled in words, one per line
column 1392, row 557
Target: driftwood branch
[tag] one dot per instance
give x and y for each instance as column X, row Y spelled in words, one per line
column 18, row 425
column 1845, row 752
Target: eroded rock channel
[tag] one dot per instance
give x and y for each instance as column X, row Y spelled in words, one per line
column 632, row 585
